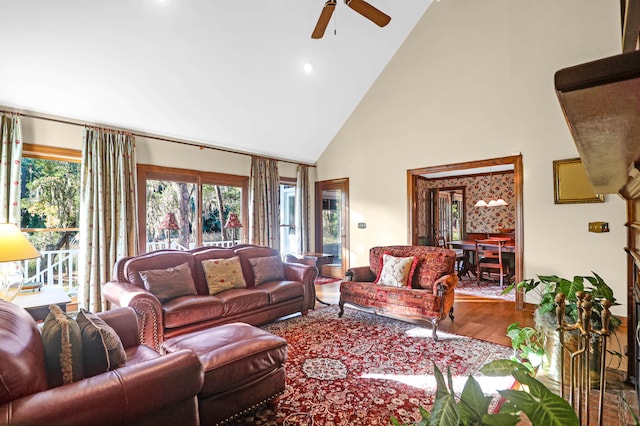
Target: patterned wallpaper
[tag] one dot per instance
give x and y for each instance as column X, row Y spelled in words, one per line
column 477, row 219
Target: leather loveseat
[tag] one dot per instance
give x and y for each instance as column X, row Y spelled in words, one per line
column 150, row 389
column 255, row 303
column 428, row 294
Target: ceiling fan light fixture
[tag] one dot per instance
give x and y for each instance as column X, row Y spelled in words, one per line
column 362, row 7
column 370, row 12
column 323, row 20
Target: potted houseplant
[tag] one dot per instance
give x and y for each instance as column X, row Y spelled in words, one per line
column 539, row 404
column 548, row 287
column 528, row 345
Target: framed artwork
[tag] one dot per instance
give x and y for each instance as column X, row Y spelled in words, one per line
column 571, row 184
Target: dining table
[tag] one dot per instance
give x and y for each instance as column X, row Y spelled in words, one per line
column 469, row 246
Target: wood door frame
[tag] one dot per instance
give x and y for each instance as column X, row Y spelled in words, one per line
column 343, row 185
column 516, row 161
column 463, row 189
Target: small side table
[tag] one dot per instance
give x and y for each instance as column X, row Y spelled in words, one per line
column 37, row 302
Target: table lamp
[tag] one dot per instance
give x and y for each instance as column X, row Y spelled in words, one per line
column 233, row 223
column 14, row 247
column 170, row 224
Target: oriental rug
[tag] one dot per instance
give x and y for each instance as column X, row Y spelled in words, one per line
column 362, row 369
column 491, row 289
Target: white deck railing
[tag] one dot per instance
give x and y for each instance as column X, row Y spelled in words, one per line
column 60, row 267
column 160, row 245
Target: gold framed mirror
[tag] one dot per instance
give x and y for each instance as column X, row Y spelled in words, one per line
column 571, row 184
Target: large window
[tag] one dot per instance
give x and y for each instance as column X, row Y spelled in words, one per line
column 50, row 208
column 288, row 240
column 183, row 209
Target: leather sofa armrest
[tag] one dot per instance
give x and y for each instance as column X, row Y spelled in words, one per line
column 307, row 275
column 147, row 308
column 125, row 323
column 122, row 396
column 445, row 283
column 360, row 274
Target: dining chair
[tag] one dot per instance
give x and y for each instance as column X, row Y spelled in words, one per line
column 489, row 257
column 441, row 242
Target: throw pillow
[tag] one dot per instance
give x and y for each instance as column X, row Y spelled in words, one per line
column 167, row 284
column 101, row 346
column 62, row 348
column 267, row 269
column 396, row 271
column 223, row 274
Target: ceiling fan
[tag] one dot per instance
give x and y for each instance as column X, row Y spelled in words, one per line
column 362, row 7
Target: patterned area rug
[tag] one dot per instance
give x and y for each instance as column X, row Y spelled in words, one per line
column 362, row 369
column 491, row 289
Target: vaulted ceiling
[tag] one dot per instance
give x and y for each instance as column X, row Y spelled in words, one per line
column 223, row 73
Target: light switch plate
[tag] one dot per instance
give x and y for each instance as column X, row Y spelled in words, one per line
column 598, row 227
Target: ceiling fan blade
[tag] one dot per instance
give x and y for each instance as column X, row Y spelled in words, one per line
column 323, row 20
column 371, row 13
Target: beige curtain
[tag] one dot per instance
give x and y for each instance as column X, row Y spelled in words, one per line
column 10, row 163
column 302, row 208
column 264, row 202
column 108, row 210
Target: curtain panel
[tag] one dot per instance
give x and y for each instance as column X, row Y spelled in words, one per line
column 108, row 210
column 264, row 203
column 10, row 164
column 302, row 208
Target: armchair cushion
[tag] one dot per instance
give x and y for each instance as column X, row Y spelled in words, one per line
column 167, row 284
column 62, row 343
column 101, row 347
column 223, row 274
column 267, row 269
column 396, row 271
column 21, row 357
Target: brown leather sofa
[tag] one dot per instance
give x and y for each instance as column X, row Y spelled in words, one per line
column 430, row 297
column 255, row 304
column 149, row 389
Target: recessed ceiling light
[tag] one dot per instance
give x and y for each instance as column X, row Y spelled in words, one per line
column 307, row 67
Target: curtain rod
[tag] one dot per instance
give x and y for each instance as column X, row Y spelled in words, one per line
column 148, row 136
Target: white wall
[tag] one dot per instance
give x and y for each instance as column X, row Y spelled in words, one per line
column 149, row 151
column 474, row 80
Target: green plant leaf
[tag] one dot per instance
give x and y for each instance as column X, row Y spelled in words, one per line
column 569, row 288
column 500, row 419
column 444, row 411
column 602, row 290
column 541, row 406
column 508, row 289
column 473, row 404
column 500, row 368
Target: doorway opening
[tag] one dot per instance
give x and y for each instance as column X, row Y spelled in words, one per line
column 426, row 224
column 332, row 225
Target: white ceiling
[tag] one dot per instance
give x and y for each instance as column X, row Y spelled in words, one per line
column 224, row 73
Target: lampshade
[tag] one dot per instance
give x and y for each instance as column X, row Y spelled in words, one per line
column 169, row 222
column 501, row 202
column 481, row 203
column 233, row 221
column 14, row 245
